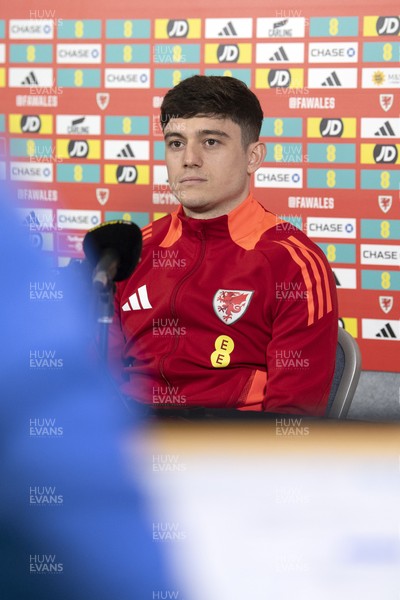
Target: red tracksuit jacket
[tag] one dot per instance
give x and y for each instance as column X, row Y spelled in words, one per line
column 238, row 311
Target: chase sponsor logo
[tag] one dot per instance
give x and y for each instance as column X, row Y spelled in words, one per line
column 78, row 219
column 279, row 178
column 127, row 78
column 374, row 254
column 340, row 52
column 229, row 28
column 329, row 227
column 272, row 53
column 78, row 125
column 292, row 27
column 31, row 29
column 78, row 53
column 31, row 171
column 23, row 77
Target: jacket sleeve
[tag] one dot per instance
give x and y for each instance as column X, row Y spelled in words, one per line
column 301, row 354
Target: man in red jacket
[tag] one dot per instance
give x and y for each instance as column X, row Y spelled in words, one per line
column 230, row 307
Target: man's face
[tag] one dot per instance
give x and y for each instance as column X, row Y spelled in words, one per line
column 208, row 167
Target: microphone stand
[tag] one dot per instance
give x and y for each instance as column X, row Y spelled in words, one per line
column 105, row 310
column 103, row 283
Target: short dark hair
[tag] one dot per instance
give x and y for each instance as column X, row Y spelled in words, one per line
column 217, row 96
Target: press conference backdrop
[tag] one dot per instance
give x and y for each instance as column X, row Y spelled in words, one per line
column 81, row 142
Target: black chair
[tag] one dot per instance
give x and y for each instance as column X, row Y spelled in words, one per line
column 346, row 376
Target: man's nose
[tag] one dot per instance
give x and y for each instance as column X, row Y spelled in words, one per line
column 192, row 155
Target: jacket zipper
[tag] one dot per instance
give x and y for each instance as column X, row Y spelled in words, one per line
column 173, row 304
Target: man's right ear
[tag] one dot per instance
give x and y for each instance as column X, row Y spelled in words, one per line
column 257, row 153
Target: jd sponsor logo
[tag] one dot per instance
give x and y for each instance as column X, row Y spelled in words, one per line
column 177, row 28
column 279, row 78
column 388, row 25
column 30, row 124
column 127, row 174
column 331, row 127
column 78, row 148
column 228, row 53
column 385, row 154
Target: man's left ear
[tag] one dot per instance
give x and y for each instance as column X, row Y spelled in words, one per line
column 257, row 152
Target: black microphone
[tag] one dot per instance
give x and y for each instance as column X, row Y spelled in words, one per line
column 113, row 250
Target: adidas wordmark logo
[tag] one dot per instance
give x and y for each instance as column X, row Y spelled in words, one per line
column 138, row 301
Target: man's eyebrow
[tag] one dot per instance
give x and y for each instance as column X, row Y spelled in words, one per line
column 199, row 133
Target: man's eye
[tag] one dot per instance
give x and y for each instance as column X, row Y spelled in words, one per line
column 211, row 142
column 175, row 144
